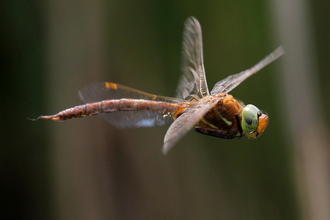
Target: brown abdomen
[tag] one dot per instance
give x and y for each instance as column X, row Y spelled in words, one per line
column 108, row 106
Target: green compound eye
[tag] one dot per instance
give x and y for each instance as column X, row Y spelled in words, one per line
column 250, row 120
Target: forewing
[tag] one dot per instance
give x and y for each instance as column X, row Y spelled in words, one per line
column 229, row 83
column 193, row 80
column 185, row 122
column 97, row 92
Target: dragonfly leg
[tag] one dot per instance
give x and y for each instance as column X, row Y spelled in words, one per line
column 238, row 118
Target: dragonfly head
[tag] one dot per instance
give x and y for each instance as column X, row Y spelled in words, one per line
column 254, row 122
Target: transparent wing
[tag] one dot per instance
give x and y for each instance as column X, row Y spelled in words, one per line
column 193, row 80
column 97, row 92
column 229, row 83
column 185, row 122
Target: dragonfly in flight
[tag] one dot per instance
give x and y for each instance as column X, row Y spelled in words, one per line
column 214, row 113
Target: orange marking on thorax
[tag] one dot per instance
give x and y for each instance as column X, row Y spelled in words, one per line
column 232, row 106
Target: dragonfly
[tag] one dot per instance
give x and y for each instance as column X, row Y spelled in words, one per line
column 214, row 113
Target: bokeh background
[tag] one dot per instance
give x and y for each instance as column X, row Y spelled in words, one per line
column 86, row 169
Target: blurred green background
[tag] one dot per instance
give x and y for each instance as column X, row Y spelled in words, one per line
column 86, row 169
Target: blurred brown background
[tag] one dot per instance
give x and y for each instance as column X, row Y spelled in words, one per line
column 86, row 169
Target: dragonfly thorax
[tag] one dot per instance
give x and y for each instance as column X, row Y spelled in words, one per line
column 224, row 119
column 230, row 119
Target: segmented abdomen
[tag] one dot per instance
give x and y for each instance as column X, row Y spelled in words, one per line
column 108, row 106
